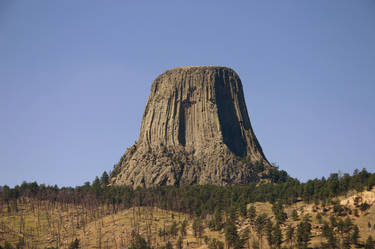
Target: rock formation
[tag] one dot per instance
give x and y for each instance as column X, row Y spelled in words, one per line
column 195, row 130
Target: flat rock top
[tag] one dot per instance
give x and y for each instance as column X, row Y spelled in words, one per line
column 198, row 68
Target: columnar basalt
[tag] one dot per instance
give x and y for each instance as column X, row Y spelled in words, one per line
column 195, row 129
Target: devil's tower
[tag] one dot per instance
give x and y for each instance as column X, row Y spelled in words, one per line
column 195, row 129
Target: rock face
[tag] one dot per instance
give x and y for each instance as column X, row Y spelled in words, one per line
column 195, row 130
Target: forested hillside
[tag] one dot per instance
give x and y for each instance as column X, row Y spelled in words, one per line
column 336, row 212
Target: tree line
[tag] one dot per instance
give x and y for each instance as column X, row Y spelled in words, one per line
column 193, row 199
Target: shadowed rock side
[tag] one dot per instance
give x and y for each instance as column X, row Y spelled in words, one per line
column 195, row 129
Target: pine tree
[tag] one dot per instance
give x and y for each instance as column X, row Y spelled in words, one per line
column 74, row 244
column 104, row 180
column 138, row 242
column 179, row 243
column 277, row 236
column 173, row 229
column 183, row 228
column 328, row 233
column 355, row 235
column 370, row 244
column 96, row 182
column 290, row 235
column 251, row 213
column 260, row 224
column 197, row 228
column 278, row 210
column 231, row 235
column 303, row 234
column 168, row 245
column 268, row 231
column 319, row 217
column 215, row 244
column 216, row 223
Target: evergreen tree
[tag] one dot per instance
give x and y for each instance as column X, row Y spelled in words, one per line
column 168, row 245
column 216, row 223
column 319, row 217
column 277, row 236
column 278, row 210
column 246, row 237
column 198, row 228
column 355, row 235
column 183, row 228
column 328, row 233
column 7, row 245
column 290, row 235
column 138, row 242
column 243, row 209
column 74, row 244
column 104, row 180
column 231, row 234
column 333, row 221
column 260, row 224
column 173, row 229
column 268, row 231
column 251, row 213
column 215, row 244
column 96, row 182
column 303, row 234
column 179, row 243
column 370, row 244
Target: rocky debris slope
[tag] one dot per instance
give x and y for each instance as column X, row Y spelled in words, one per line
column 195, row 130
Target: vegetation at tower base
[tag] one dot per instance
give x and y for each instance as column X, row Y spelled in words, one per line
column 331, row 213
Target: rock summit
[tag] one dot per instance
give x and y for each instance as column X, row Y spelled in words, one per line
column 195, row 130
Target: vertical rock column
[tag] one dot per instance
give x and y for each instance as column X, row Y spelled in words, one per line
column 195, row 129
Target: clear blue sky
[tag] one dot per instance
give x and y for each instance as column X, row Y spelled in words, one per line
column 75, row 77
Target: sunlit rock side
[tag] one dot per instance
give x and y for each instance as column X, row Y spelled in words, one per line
column 195, row 130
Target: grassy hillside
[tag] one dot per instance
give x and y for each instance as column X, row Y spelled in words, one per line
column 43, row 223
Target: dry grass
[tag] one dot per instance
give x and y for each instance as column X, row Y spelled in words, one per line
column 40, row 223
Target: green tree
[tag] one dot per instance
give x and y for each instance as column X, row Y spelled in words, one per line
column 179, row 243
column 7, row 245
column 216, row 223
column 96, row 182
column 215, row 244
column 252, row 213
column 173, row 230
column 104, row 180
column 329, row 235
column 21, row 243
column 260, row 224
column 289, row 235
column 198, row 228
column 246, row 237
column 277, row 236
column 74, row 244
column 355, row 235
column 183, row 228
column 278, row 210
column 138, row 242
column 268, row 231
column 303, row 236
column 370, row 244
column 319, row 217
column 168, row 245
column 231, row 234
column 333, row 221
